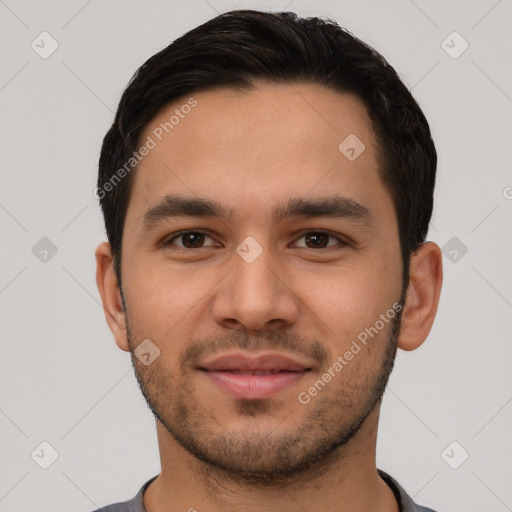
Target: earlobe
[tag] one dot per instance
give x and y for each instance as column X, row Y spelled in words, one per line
column 108, row 287
column 425, row 281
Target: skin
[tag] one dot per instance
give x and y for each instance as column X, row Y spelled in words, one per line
column 251, row 150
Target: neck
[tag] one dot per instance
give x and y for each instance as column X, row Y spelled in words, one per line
column 347, row 481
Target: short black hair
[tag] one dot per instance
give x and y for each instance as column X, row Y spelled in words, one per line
column 239, row 48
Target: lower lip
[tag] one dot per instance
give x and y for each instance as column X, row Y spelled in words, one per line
column 253, row 387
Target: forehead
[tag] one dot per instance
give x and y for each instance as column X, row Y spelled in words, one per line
column 250, row 148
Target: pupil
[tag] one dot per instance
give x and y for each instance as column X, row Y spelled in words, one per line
column 317, row 239
column 192, row 239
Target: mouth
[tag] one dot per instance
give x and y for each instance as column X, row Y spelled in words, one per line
column 250, row 377
column 252, row 372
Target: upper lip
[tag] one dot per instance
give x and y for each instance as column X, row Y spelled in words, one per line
column 244, row 361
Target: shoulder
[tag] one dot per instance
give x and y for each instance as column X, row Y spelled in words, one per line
column 405, row 502
column 115, row 507
column 136, row 504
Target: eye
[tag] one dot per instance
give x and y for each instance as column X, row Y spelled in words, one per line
column 320, row 240
column 189, row 240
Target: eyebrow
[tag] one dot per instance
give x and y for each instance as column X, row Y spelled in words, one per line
column 335, row 207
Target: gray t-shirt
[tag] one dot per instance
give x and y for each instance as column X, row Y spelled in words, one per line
column 136, row 504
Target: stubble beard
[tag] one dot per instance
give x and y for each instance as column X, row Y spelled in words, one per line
column 259, row 455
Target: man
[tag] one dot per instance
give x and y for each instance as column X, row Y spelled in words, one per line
column 267, row 187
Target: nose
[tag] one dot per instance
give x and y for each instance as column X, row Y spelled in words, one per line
column 255, row 296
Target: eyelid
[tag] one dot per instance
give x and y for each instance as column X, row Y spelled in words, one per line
column 173, row 236
column 342, row 241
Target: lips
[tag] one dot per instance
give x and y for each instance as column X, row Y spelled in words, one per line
column 268, row 362
column 249, row 376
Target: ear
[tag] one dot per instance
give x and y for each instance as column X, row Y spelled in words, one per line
column 422, row 299
column 108, row 287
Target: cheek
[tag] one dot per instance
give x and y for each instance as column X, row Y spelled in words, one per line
column 350, row 300
column 163, row 300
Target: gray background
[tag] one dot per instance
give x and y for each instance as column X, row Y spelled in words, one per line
column 64, row 381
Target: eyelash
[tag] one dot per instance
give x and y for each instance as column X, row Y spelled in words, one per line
column 174, row 236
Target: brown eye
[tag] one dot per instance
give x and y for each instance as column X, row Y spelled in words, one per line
column 192, row 240
column 189, row 240
column 316, row 240
column 319, row 240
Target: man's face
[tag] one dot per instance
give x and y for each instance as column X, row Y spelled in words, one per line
column 260, row 286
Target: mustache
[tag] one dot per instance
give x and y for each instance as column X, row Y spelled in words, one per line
column 280, row 340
